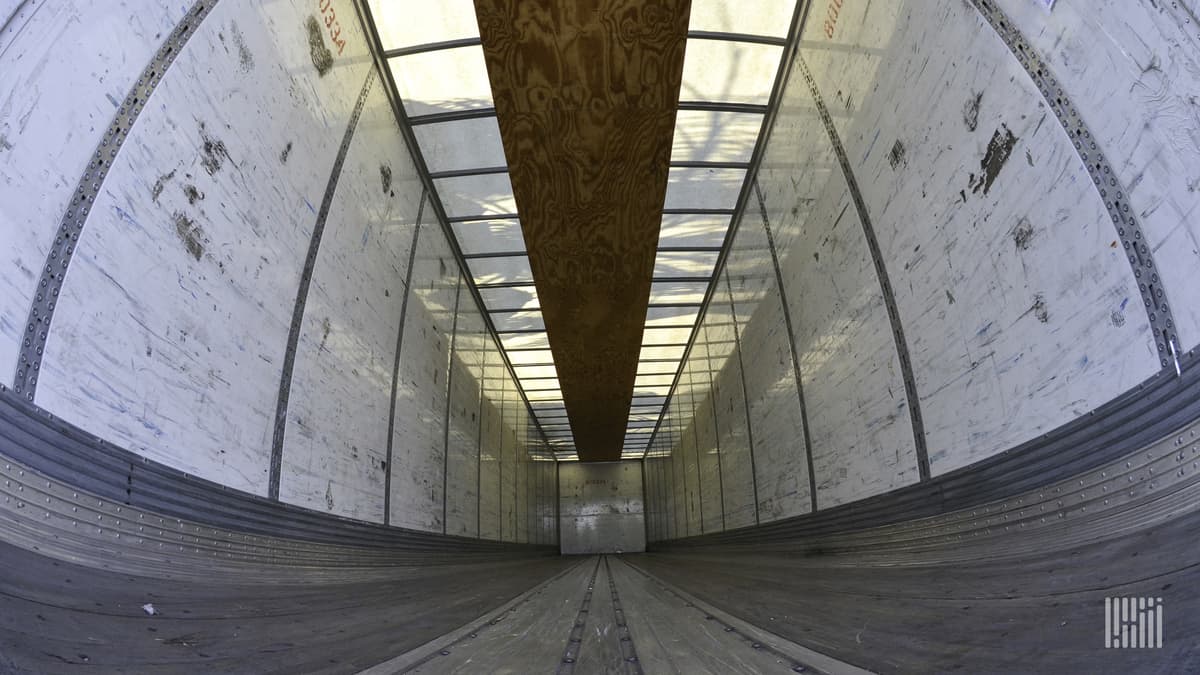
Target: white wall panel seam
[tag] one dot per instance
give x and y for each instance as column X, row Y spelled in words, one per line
column 889, row 298
column 712, row 401
column 446, row 423
column 41, row 313
column 412, row 255
column 737, row 347
column 791, row 335
column 310, row 261
column 1125, row 219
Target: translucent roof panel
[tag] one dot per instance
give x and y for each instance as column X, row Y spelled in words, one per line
column 655, row 410
column 539, row 383
column 442, row 81
column 676, row 264
column 677, row 292
column 768, row 17
column 511, row 269
column 714, row 136
column 489, row 236
column 408, row 24
column 506, row 321
column 666, row 336
column 461, row 144
column 483, row 195
column 534, row 371
column 658, row 353
column 654, row 368
column 732, row 56
column 520, row 297
column 703, row 188
column 532, row 357
column 692, row 230
column 525, row 341
column 729, row 72
column 671, row 316
column 651, row 380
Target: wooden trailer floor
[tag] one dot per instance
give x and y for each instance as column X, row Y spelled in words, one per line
column 714, row 612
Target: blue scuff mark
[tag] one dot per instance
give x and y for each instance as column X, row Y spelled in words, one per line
column 872, row 145
column 1083, row 361
column 115, row 102
column 179, row 280
column 151, row 427
column 1123, row 303
column 125, row 216
column 986, row 327
column 366, row 236
column 113, row 403
column 309, row 205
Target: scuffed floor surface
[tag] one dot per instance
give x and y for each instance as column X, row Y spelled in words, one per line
column 712, row 611
column 57, row 617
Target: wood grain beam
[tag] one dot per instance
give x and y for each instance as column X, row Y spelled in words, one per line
column 586, row 93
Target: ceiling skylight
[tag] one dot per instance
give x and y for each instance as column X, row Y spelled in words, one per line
column 731, row 64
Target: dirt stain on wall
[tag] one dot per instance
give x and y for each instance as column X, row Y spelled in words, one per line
column 193, row 195
column 971, row 111
column 1039, row 308
column 385, row 177
column 998, row 151
column 212, row 152
column 245, row 56
column 897, row 155
column 160, row 184
column 322, row 58
column 1023, row 234
column 190, row 234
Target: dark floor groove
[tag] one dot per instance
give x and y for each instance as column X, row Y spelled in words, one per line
column 748, row 640
column 628, row 649
column 491, row 622
column 575, row 638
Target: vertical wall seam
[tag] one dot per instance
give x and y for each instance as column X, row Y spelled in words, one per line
column 310, row 262
column 696, row 448
column 737, row 345
column 446, row 421
column 5, row 21
column 889, row 297
column 412, row 257
column 500, row 466
column 62, row 249
column 645, row 503
column 668, row 493
column 787, row 320
column 664, row 524
column 682, row 488
column 712, row 402
column 479, row 453
column 1104, row 178
column 720, row 478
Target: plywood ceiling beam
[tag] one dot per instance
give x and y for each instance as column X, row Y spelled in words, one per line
column 586, row 93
